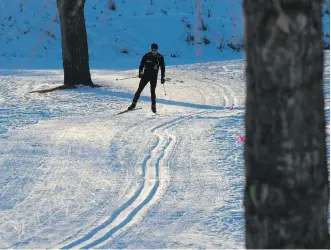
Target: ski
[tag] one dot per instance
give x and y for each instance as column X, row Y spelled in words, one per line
column 122, row 112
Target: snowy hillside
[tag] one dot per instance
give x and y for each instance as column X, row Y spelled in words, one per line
column 75, row 174
column 133, row 25
column 30, row 32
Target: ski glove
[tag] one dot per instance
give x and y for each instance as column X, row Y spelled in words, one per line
column 162, row 80
column 140, row 75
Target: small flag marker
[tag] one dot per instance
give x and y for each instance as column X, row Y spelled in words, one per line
column 240, row 138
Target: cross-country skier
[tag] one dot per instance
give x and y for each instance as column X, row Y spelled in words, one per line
column 148, row 71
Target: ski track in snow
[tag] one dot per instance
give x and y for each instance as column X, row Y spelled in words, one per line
column 48, row 200
column 155, row 178
column 153, row 174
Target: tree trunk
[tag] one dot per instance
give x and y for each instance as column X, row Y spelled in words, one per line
column 74, row 43
column 287, row 188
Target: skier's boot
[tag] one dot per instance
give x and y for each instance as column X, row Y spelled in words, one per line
column 132, row 106
column 154, row 108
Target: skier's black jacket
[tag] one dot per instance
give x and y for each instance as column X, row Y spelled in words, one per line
column 150, row 64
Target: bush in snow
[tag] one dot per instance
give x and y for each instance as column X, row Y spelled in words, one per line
column 174, row 55
column 235, row 47
column 203, row 26
column 111, row 5
column 206, row 41
column 221, row 46
column 189, row 38
column 149, row 13
column 184, row 20
column 124, row 51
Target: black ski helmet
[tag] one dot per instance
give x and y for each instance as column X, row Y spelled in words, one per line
column 154, row 46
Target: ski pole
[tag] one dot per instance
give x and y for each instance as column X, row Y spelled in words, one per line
column 164, row 90
column 125, row 78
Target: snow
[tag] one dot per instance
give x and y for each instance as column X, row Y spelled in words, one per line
column 75, row 174
column 70, row 166
column 30, row 33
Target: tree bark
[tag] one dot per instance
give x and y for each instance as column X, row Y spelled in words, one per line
column 74, row 43
column 287, row 187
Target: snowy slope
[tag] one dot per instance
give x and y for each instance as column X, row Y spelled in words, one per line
column 69, row 165
column 75, row 175
column 30, row 32
column 132, row 26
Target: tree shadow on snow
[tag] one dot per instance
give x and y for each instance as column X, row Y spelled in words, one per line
column 129, row 96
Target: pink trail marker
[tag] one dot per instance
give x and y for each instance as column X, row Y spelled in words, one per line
column 240, row 138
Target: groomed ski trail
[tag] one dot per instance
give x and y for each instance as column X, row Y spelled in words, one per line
column 155, row 178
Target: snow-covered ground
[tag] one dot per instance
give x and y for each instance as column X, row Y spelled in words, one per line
column 76, row 175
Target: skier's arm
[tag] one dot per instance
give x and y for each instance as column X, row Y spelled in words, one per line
column 142, row 64
column 162, row 65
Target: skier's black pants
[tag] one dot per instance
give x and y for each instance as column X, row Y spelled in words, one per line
column 142, row 84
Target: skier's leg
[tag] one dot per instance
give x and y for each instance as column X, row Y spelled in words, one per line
column 153, row 95
column 142, row 84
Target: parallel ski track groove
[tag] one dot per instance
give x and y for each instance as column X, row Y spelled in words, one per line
column 113, row 230
column 119, row 134
column 138, row 208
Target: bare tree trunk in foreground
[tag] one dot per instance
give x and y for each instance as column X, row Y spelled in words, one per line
column 287, row 188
